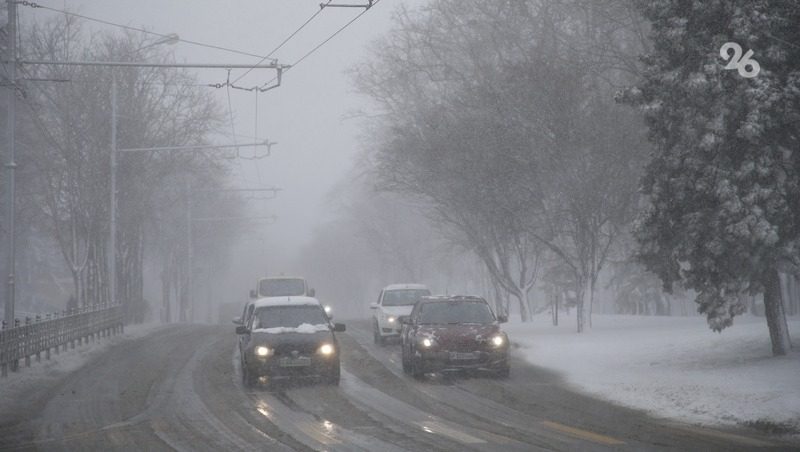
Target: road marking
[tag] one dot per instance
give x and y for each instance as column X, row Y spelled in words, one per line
column 441, row 429
column 583, row 434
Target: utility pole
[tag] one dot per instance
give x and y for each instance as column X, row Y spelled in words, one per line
column 11, row 165
column 113, row 209
column 112, row 284
column 189, row 256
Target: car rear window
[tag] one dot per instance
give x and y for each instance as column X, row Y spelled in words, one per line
column 455, row 312
column 289, row 316
column 403, row 297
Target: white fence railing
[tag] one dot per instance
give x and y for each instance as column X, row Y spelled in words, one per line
column 32, row 336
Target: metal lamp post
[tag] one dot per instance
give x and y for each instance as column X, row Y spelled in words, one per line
column 169, row 39
column 11, row 164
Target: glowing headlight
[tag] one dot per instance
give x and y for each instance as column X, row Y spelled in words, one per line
column 263, row 351
column 327, row 349
column 427, row 342
column 390, row 319
column 498, row 340
column 327, row 309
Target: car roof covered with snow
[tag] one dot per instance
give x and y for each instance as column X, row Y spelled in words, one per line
column 435, row 298
column 286, row 301
column 406, row 287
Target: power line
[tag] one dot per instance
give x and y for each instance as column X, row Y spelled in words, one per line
column 141, row 30
column 287, row 39
column 264, row 87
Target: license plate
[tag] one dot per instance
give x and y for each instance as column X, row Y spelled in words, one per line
column 295, row 362
column 459, row 356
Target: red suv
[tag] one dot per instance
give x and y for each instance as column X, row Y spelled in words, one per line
column 453, row 333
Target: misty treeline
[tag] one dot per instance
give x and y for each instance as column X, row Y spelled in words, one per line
column 500, row 119
column 554, row 141
column 63, row 133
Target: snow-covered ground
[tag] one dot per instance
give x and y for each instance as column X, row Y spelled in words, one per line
column 673, row 367
column 48, row 372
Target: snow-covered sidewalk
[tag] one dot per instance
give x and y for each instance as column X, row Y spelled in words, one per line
column 46, row 373
column 673, row 367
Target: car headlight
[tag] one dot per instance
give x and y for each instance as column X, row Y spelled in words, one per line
column 326, row 349
column 263, row 351
column 498, row 340
column 390, row 319
column 427, row 342
column 327, row 309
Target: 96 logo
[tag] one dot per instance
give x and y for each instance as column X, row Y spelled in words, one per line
column 747, row 67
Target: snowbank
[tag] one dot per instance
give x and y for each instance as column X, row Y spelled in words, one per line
column 47, row 373
column 673, row 367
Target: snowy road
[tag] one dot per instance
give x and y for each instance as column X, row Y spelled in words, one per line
column 180, row 389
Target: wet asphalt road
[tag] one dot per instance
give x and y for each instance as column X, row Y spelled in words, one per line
column 180, row 389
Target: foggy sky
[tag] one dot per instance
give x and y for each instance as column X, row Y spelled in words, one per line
column 306, row 115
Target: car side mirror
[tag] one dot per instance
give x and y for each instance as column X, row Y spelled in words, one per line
column 373, row 305
column 339, row 327
column 404, row 320
column 502, row 318
column 241, row 329
column 237, row 321
column 312, row 292
column 252, row 294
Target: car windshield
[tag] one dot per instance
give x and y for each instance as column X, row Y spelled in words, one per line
column 455, row 312
column 403, row 297
column 281, row 287
column 289, row 316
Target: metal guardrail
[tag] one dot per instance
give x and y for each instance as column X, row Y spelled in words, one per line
column 54, row 332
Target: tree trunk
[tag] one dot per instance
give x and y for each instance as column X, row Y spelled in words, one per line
column 555, row 303
column 524, row 313
column 165, row 297
column 499, row 306
column 792, row 301
column 592, row 282
column 580, row 293
column 776, row 315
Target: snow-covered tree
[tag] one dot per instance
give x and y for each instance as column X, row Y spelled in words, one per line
column 68, row 152
column 508, row 129
column 724, row 181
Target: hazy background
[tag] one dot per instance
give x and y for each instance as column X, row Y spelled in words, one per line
column 307, row 115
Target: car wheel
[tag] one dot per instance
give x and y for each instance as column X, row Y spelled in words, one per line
column 376, row 334
column 503, row 371
column 333, row 378
column 417, row 370
column 248, row 378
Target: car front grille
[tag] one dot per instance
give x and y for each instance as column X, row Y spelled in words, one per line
column 301, row 349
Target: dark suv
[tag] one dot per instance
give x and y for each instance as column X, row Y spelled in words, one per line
column 453, row 333
column 289, row 337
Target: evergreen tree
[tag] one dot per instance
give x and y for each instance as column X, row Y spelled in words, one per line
column 724, row 180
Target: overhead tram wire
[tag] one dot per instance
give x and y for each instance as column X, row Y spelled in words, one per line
column 233, row 128
column 265, row 86
column 49, row 135
column 287, row 39
column 141, row 30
